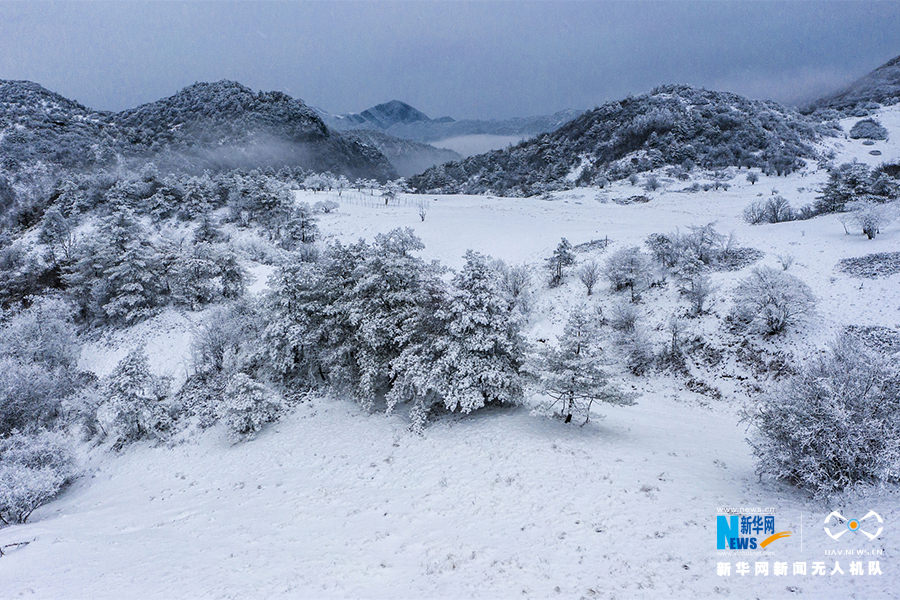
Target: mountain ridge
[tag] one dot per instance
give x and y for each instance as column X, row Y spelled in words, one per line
column 674, row 125
column 880, row 86
column 205, row 126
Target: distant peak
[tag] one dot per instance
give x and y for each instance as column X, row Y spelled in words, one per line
column 393, row 112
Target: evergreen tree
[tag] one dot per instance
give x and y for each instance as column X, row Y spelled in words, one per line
column 469, row 352
column 247, row 405
column 132, row 407
column 572, row 374
column 562, row 257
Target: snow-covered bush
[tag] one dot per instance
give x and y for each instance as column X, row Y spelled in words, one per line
column 768, row 300
column 247, row 405
column 773, row 210
column 869, row 129
column 132, row 405
column 833, row 426
column 326, row 206
column 38, row 353
column 696, row 288
column 33, row 469
column 870, row 216
column 623, row 316
column 572, row 373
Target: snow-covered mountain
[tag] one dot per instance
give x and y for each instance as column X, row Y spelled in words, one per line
column 677, row 126
column 880, row 87
column 206, row 126
column 403, row 121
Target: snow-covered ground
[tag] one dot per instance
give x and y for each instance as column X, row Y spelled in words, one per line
column 332, row 502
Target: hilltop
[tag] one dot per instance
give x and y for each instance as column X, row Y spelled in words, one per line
column 880, row 87
column 206, row 126
column 672, row 125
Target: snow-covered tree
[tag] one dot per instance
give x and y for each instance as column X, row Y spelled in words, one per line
column 627, row 269
column 385, row 306
column 769, row 300
column 467, row 354
column 589, row 275
column 299, row 228
column 132, row 407
column 248, row 405
column 33, row 470
column 133, row 284
column 870, row 216
column 572, row 373
column 562, row 257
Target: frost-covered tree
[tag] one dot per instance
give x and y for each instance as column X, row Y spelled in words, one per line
column 208, row 231
column 299, row 228
column 846, row 183
column 33, row 470
column 562, row 257
column 572, row 373
column 247, row 405
column 515, row 284
column 132, row 284
column 310, row 337
column 627, row 268
column 589, row 275
column 869, row 216
column 768, row 300
column 57, row 232
column 469, row 354
column 697, row 289
column 835, row 425
column 132, row 406
column 43, row 334
column 38, row 355
column 384, row 306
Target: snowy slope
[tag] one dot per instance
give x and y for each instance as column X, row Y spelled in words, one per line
column 332, row 502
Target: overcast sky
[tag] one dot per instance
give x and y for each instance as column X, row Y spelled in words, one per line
column 464, row 59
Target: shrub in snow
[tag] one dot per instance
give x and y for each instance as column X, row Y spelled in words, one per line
column 326, row 206
column 833, row 426
column 623, row 316
column 869, row 216
column 869, row 129
column 132, row 401
column 33, row 469
column 768, row 300
column 773, row 210
column 696, row 288
column 652, row 183
column 514, row 282
column 247, row 405
column 572, row 373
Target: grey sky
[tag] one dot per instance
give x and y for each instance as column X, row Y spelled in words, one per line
column 464, row 59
